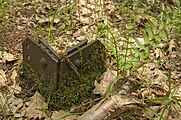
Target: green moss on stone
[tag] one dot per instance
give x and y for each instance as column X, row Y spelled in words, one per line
column 71, row 90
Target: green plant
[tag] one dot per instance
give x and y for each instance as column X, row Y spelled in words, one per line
column 62, row 117
column 4, row 7
column 56, row 12
column 129, row 50
column 5, row 109
column 102, row 29
column 159, row 29
column 167, row 100
column 120, row 44
column 111, row 86
column 65, row 19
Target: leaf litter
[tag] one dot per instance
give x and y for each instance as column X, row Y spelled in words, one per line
column 87, row 15
column 3, row 78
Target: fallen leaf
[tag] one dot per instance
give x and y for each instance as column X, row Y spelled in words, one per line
column 85, row 20
column 155, row 76
column 110, row 6
column 15, row 86
column 100, row 88
column 44, row 20
column 4, row 102
column 18, row 107
column 85, row 11
column 36, row 106
column 34, row 114
column 3, row 78
column 109, row 75
column 91, row 6
column 171, row 46
column 107, row 78
column 1, row 56
column 153, row 108
column 158, row 53
column 7, row 57
column 137, row 41
column 178, row 94
column 82, row 2
column 14, row 75
column 57, row 115
column 122, row 100
column 18, row 116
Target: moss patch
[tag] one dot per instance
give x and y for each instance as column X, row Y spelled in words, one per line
column 71, row 89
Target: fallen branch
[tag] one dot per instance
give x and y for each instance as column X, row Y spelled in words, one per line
column 111, row 107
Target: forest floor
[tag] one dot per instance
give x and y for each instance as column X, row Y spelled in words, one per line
column 65, row 23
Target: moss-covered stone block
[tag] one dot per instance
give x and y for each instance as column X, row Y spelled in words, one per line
column 72, row 88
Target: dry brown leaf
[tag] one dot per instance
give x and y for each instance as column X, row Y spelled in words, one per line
column 39, row 1
column 81, row 38
column 1, row 56
column 127, row 86
column 82, row 2
column 173, row 112
column 57, row 114
column 15, row 86
column 107, row 78
column 34, row 114
column 36, row 106
column 100, row 88
column 36, row 101
column 7, row 57
column 155, row 79
column 85, row 20
column 81, row 32
column 158, row 53
column 14, row 75
column 110, row 6
column 171, row 46
column 94, row 29
column 122, row 100
column 85, row 11
column 18, row 107
column 141, row 40
column 4, row 102
column 109, row 75
column 91, row 6
column 43, row 19
column 3, row 78
column 154, row 108
column 178, row 95
column 155, row 75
